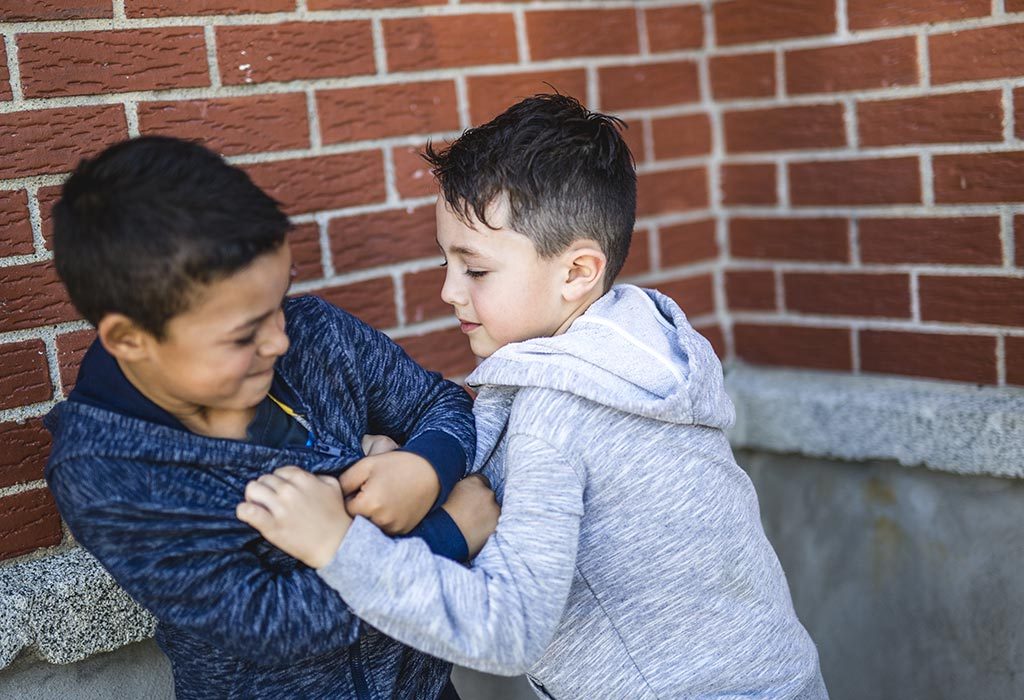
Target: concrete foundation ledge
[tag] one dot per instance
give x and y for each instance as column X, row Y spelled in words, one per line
column 960, row 428
column 65, row 608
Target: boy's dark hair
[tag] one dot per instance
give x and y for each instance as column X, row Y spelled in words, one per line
column 139, row 227
column 567, row 172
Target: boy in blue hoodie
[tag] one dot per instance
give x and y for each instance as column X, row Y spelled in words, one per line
column 204, row 376
column 629, row 560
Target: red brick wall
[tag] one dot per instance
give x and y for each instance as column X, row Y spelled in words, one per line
column 325, row 103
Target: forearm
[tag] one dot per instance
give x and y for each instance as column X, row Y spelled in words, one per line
column 442, row 536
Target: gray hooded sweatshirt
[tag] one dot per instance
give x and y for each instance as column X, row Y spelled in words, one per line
column 629, row 560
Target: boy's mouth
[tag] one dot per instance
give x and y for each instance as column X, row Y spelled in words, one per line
column 468, row 327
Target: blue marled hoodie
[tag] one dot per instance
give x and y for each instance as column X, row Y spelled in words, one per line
column 236, row 616
column 629, row 561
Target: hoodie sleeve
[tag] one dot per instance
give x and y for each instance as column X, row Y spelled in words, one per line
column 200, row 569
column 498, row 616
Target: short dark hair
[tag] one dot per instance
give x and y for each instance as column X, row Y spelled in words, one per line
column 139, row 227
column 567, row 172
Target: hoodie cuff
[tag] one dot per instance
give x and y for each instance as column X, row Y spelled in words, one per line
column 445, row 455
column 443, row 536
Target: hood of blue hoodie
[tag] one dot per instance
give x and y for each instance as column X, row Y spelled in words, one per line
column 633, row 351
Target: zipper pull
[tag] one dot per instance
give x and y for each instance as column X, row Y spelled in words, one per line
column 326, row 449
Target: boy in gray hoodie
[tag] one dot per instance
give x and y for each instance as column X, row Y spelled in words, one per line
column 629, row 560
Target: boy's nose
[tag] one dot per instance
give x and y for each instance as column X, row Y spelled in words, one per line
column 450, row 290
column 276, row 343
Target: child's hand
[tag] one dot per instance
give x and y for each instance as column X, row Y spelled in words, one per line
column 473, row 508
column 378, row 444
column 395, row 490
column 302, row 514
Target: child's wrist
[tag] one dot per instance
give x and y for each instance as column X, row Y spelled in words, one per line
column 328, row 547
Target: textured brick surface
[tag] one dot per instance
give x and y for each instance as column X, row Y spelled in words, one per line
column 680, row 137
column 979, row 177
column 232, row 125
column 71, row 348
column 695, row 295
column 441, row 351
column 376, row 112
column 53, row 140
column 960, row 117
column 589, row 32
column 799, row 346
column 958, row 241
column 1018, row 227
column 964, row 358
column 867, row 14
column 182, row 8
column 24, row 448
column 1015, row 359
column 675, row 28
column 682, row 244
column 752, row 183
column 5, row 77
column 671, row 190
column 15, row 230
column 294, row 51
column 743, row 21
column 750, row 290
column 324, row 182
column 639, row 259
column 412, row 174
column 121, row 60
column 869, row 181
column 873, row 64
column 812, row 240
column 848, row 294
column 48, row 197
column 991, row 300
column 24, row 374
column 743, row 75
column 28, row 521
column 784, row 128
column 423, row 296
column 648, row 85
column 373, row 300
column 422, row 43
column 382, row 238
column 31, row 295
column 304, row 240
column 28, row 10
column 489, row 95
column 977, row 54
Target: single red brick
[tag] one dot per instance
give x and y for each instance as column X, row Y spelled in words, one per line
column 750, row 290
column 748, row 183
column 959, row 241
column 784, row 128
column 32, row 296
column 672, row 190
column 71, row 347
column 866, row 14
column 997, row 301
column 743, row 75
column 591, row 32
column 648, row 85
column 423, row 296
column 695, row 295
column 441, row 351
column 423, row 43
column 962, row 358
column 979, row 177
column 714, row 335
column 1013, row 5
column 325, row 182
column 15, row 229
column 413, row 177
column 184, row 8
column 382, row 238
column 305, row 245
column 848, row 294
column 675, row 28
column 638, row 261
column 5, row 76
column 956, row 118
column 490, row 95
column 294, row 51
column 21, row 11
column 48, row 197
column 53, row 140
column 745, row 21
column 372, row 301
column 813, row 240
column 687, row 243
column 24, row 374
column 868, row 181
column 977, row 54
column 1015, row 356
column 794, row 346
column 679, row 137
column 232, row 125
column 633, row 135
column 116, row 60
column 872, row 64
column 28, row 521
column 354, row 114
column 25, row 447
column 368, row 4
column 1018, row 112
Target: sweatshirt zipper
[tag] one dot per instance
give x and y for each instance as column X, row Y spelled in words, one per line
column 355, row 662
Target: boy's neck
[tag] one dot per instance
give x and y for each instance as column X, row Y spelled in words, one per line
column 579, row 309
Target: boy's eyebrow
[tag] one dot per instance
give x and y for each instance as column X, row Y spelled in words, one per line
column 463, row 251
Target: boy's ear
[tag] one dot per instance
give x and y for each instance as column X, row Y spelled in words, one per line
column 586, row 264
column 123, row 338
